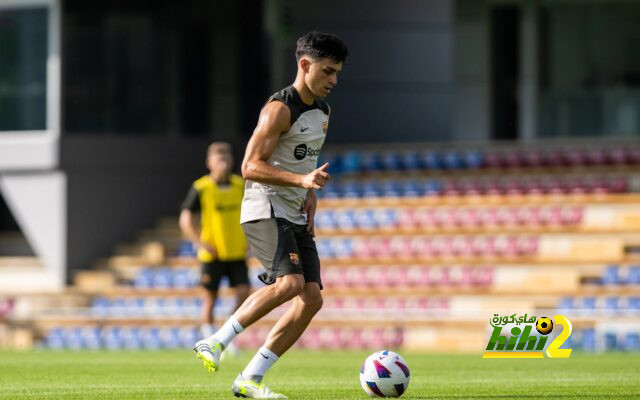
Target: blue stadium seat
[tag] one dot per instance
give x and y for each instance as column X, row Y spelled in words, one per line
column 181, row 279
column 391, row 189
column 633, row 276
column 188, row 336
column 110, row 337
column 473, row 159
column 364, row 219
column 432, row 188
column 169, row 337
column 611, row 275
column 589, row 339
column 371, row 189
column 351, row 189
column 330, row 191
column 324, row 248
column 342, row 247
column 73, row 338
column 162, row 278
column 100, row 307
column 633, row 304
column 325, row 219
column 612, row 305
column 55, row 339
column 134, row 306
column 589, row 305
column 351, row 162
column 392, row 161
column 150, row 338
column 431, row 160
column 118, row 307
column 130, row 337
column 452, row 160
column 143, row 279
column 335, row 161
column 412, row 161
column 345, row 219
column 632, row 341
column 385, row 218
column 565, row 304
column 372, row 162
column 172, row 306
column 91, row 337
column 186, row 249
column 611, row 341
column 410, row 188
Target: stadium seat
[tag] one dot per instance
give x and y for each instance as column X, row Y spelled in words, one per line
column 611, row 305
column 611, row 342
column 350, row 189
column 453, row 160
column 589, row 305
column 412, row 161
column 372, row 162
column 633, row 275
column 617, row 156
column 431, row 160
column 55, row 338
column 589, row 339
column 633, row 155
column 492, row 159
column 595, row 156
column 632, row 341
column 391, row 189
column 611, row 275
column 533, row 158
column 392, row 161
column 345, row 219
column 325, row 220
column 473, row 159
column 432, row 188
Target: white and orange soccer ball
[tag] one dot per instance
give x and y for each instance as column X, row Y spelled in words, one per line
column 384, row 374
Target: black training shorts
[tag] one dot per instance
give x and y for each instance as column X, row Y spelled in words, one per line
column 283, row 248
column 213, row 272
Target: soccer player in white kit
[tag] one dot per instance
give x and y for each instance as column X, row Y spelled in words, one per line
column 281, row 172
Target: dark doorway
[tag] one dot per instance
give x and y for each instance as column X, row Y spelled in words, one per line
column 504, row 42
column 12, row 241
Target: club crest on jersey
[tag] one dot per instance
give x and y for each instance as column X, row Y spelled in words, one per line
column 295, row 260
column 325, row 127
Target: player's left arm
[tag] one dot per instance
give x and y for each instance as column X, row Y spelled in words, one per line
column 309, row 207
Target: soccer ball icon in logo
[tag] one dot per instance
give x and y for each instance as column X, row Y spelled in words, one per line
column 384, row 374
column 544, row 325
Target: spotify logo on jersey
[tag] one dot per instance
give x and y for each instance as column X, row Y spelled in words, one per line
column 301, row 151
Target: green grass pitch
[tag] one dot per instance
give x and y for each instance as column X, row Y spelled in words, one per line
column 311, row 375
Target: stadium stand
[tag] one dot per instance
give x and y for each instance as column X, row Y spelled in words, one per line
column 419, row 248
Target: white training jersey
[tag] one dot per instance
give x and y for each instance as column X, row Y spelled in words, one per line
column 297, row 151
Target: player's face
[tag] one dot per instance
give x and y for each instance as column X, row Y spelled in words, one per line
column 220, row 164
column 322, row 76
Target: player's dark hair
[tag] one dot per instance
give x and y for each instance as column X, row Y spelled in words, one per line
column 322, row 45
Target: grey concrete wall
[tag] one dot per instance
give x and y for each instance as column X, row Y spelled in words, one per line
column 471, row 104
column 397, row 84
column 117, row 186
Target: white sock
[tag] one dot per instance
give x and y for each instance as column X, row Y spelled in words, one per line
column 207, row 330
column 259, row 364
column 227, row 332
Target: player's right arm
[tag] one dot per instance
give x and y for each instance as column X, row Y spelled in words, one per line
column 188, row 222
column 274, row 120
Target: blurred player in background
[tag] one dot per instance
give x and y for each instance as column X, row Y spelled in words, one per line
column 280, row 165
column 221, row 244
